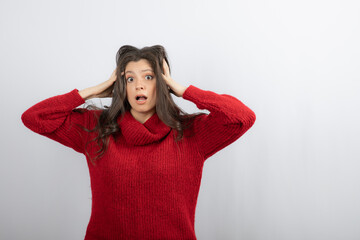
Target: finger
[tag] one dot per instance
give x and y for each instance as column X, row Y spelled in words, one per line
column 166, row 68
column 166, row 78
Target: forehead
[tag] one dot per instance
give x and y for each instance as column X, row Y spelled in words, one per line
column 138, row 66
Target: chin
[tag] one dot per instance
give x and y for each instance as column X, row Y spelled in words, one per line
column 143, row 109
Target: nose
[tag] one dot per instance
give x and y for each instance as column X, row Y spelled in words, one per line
column 139, row 85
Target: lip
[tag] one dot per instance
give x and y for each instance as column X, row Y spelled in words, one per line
column 141, row 102
column 140, row 95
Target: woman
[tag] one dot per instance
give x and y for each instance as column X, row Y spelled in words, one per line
column 145, row 155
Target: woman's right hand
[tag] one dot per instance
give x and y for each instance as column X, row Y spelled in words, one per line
column 102, row 90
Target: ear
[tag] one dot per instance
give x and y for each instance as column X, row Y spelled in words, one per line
column 120, row 74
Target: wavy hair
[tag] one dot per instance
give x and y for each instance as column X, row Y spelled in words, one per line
column 168, row 112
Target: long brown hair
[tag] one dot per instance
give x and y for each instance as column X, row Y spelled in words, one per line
column 166, row 109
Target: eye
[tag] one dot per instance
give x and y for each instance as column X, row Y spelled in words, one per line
column 146, row 77
column 129, row 78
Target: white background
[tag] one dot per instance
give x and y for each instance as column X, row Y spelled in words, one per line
column 293, row 176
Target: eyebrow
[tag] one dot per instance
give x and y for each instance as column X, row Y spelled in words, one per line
column 141, row 71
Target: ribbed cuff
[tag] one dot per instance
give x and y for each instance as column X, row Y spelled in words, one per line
column 73, row 98
column 189, row 92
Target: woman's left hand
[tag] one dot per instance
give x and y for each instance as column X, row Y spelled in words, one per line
column 173, row 86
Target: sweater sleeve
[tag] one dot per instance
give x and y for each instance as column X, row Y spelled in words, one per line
column 227, row 121
column 54, row 118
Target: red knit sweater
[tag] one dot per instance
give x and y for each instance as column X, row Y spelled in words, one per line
column 145, row 186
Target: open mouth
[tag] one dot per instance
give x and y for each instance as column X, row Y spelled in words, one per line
column 141, row 98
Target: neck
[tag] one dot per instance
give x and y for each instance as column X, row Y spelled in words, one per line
column 142, row 117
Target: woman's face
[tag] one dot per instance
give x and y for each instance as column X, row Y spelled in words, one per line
column 141, row 81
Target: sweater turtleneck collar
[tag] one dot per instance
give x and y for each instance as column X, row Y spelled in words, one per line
column 136, row 133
